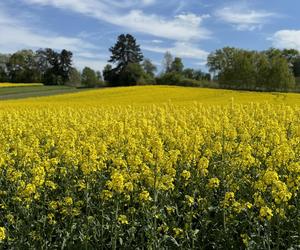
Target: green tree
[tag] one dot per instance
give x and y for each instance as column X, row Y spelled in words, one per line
column 221, row 60
column 65, row 64
column 132, row 74
column 296, row 68
column 74, row 78
column 21, row 67
column 177, row 65
column 167, row 62
column 171, row 78
column 189, row 73
column 125, row 51
column 263, row 72
column 126, row 54
column 3, row 69
column 280, row 74
column 149, row 67
column 89, row 78
column 55, row 67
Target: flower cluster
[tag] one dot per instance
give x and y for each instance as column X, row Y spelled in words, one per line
column 159, row 176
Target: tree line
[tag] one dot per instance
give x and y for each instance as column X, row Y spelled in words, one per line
column 45, row 66
column 230, row 67
column 131, row 68
column 272, row 69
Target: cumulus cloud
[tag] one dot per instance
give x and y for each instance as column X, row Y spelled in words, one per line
column 242, row 18
column 18, row 36
column 286, row 39
column 184, row 27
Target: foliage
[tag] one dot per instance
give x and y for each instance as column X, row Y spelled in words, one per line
column 167, row 62
column 177, row 65
column 156, row 176
column 171, row 78
column 74, row 78
column 90, row 78
column 149, row 67
column 55, row 67
column 196, row 74
column 132, row 74
column 125, row 51
column 241, row 69
column 44, row 65
column 127, row 55
column 21, row 67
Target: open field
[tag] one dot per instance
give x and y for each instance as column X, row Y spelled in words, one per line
column 21, row 91
column 151, row 95
column 150, row 167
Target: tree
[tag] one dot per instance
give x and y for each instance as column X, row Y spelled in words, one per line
column 55, row 67
column 65, row 64
column 149, row 67
column 21, row 67
column 263, row 72
column 167, row 62
column 188, row 73
column 171, row 78
column 280, row 74
column 132, row 74
column 125, row 51
column 296, row 68
column 3, row 69
column 74, row 78
column 221, row 59
column 127, row 55
column 99, row 76
column 110, row 75
column 177, row 65
column 89, row 78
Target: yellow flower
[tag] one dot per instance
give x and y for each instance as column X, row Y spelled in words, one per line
column 106, row 195
column 2, row 233
column 270, row 176
column 202, row 166
column 214, row 183
column 229, row 199
column 129, row 186
column 68, row 201
column 116, row 183
column 189, row 200
column 245, row 239
column 123, row 219
column 144, row 196
column 53, row 205
column 29, row 190
column 266, row 212
column 178, row 232
column 186, row 175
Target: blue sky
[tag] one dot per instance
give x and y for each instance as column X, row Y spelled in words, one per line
column 187, row 28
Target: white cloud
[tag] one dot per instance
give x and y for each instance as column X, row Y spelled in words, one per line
column 94, row 63
column 243, row 18
column 184, row 27
column 181, row 49
column 286, row 39
column 157, row 41
column 17, row 35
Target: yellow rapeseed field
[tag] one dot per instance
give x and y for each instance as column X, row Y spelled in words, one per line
column 7, row 84
column 151, row 168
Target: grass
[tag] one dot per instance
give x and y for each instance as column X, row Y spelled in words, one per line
column 22, row 91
